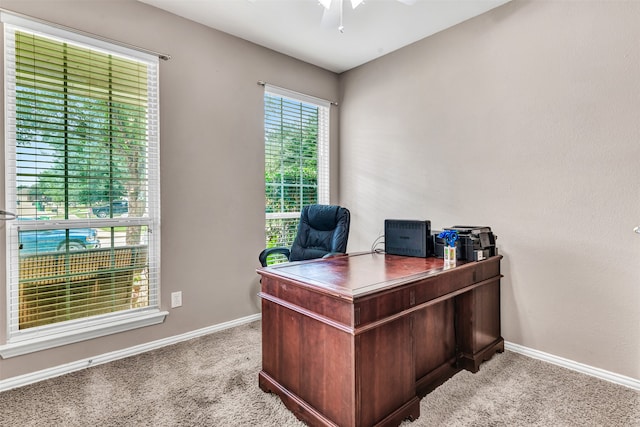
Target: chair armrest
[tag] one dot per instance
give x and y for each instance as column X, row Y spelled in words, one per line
column 270, row 251
column 333, row 254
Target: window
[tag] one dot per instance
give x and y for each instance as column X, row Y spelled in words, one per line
column 82, row 175
column 296, row 160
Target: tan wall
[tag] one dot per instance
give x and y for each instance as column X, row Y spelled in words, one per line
column 525, row 119
column 211, row 164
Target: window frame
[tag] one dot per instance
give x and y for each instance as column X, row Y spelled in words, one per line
column 323, row 148
column 47, row 336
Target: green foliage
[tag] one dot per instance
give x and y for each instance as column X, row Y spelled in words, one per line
column 86, row 154
column 81, row 125
column 291, row 154
column 281, row 231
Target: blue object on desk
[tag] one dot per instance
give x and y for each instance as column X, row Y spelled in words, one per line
column 450, row 236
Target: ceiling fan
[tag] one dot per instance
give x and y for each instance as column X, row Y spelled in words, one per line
column 333, row 11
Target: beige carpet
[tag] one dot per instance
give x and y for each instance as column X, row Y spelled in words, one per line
column 213, row 381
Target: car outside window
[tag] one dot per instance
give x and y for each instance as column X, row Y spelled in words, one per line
column 82, row 175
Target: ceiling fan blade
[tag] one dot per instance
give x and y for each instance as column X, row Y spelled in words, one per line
column 331, row 16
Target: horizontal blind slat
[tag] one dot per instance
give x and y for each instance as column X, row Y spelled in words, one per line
column 83, row 128
column 291, row 163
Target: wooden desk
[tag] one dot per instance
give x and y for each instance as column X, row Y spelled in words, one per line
column 356, row 340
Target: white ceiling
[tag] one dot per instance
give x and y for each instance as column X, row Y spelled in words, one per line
column 297, row 28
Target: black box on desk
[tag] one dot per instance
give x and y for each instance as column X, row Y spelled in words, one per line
column 474, row 243
column 408, row 237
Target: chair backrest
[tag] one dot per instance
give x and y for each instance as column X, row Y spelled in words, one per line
column 323, row 229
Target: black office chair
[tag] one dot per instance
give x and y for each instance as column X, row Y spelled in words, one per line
column 323, row 231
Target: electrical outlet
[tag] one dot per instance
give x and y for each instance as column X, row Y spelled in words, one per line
column 176, row 299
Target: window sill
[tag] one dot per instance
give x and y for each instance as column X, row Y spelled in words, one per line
column 30, row 343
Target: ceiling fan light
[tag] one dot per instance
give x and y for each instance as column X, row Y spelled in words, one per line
column 325, row 3
column 356, row 3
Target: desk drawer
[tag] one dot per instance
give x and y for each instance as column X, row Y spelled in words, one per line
column 466, row 275
column 381, row 306
column 487, row 269
column 377, row 307
column 332, row 307
column 435, row 287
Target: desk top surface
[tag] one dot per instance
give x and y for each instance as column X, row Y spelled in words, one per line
column 359, row 274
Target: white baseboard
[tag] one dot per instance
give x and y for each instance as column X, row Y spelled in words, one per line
column 574, row 366
column 45, row 374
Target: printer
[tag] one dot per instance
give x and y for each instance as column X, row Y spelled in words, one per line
column 474, row 243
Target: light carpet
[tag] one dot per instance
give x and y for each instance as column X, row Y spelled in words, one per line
column 213, row 381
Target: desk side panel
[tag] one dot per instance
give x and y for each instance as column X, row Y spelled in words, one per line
column 328, row 380
column 386, row 373
column 281, row 344
column 435, row 345
column 478, row 319
column 314, row 364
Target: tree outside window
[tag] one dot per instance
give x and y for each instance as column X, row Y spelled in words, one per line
column 296, row 133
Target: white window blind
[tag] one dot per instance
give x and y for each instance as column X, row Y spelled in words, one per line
column 82, row 174
column 296, row 160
